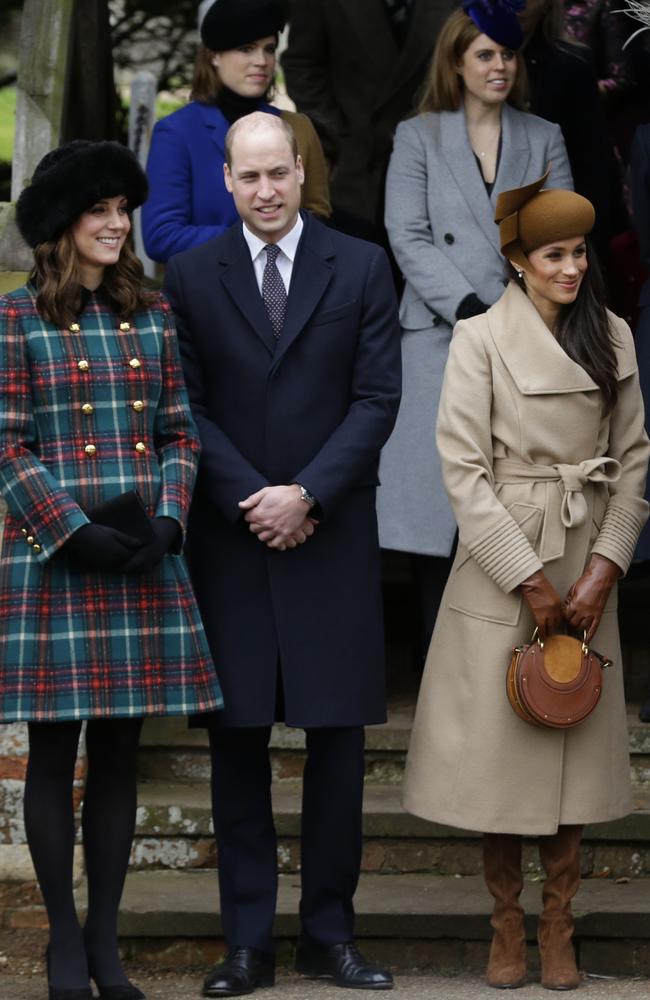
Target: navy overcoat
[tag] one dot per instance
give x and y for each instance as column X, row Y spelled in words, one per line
column 314, row 407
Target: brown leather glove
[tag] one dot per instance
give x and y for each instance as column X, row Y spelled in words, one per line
column 544, row 602
column 586, row 600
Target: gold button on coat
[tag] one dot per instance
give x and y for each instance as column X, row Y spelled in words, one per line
column 87, row 408
column 140, row 448
column 138, row 406
column 37, row 548
column 90, row 449
column 30, row 539
column 74, row 328
column 134, row 363
column 125, row 327
column 83, row 365
column 24, row 532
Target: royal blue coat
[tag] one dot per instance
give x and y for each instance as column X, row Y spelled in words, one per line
column 313, row 407
column 188, row 202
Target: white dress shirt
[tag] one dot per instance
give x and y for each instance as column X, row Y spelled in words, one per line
column 288, row 246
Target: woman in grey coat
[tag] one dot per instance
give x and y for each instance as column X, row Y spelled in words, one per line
column 449, row 163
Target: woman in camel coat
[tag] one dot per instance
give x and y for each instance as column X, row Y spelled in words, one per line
column 545, row 463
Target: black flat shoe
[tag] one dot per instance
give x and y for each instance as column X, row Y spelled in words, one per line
column 125, row 991
column 241, row 972
column 343, row 963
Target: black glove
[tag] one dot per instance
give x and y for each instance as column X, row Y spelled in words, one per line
column 167, row 532
column 94, row 546
column 471, row 306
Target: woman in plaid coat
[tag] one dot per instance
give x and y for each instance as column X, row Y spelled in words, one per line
column 96, row 625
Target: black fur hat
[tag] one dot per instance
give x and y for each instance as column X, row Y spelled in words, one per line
column 72, row 178
column 229, row 23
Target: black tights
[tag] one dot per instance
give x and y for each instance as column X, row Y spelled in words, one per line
column 108, row 822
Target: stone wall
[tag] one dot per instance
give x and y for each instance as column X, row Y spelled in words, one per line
column 15, row 862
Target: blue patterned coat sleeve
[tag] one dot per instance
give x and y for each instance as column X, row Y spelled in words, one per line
column 175, row 433
column 33, row 495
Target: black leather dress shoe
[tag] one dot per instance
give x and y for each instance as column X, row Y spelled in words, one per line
column 343, row 963
column 241, row 972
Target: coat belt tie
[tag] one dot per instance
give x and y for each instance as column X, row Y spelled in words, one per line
column 565, row 505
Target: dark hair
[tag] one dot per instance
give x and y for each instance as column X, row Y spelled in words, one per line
column 583, row 330
column 57, row 279
column 442, row 89
column 207, row 84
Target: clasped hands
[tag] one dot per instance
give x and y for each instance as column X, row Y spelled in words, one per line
column 583, row 606
column 279, row 517
column 98, row 547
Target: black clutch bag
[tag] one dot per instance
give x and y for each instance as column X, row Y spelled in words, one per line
column 126, row 513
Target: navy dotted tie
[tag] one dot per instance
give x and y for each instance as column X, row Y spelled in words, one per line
column 273, row 291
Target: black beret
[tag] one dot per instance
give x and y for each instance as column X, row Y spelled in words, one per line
column 72, row 178
column 229, row 23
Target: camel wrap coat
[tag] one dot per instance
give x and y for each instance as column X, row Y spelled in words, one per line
column 537, row 478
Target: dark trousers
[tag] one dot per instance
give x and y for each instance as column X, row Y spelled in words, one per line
column 331, row 833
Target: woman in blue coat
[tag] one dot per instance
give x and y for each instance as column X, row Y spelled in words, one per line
column 188, row 202
column 98, row 623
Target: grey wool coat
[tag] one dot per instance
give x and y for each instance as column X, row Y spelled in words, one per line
column 537, row 477
column 440, row 220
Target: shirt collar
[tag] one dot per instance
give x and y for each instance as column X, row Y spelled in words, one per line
column 288, row 244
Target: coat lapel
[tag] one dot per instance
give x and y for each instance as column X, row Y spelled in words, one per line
column 528, row 349
column 370, row 23
column 465, row 171
column 312, row 273
column 238, row 277
column 216, row 125
column 515, row 152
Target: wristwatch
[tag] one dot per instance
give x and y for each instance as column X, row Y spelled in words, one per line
column 307, row 496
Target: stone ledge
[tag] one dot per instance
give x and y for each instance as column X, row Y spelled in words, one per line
column 393, row 736
column 184, row 810
column 185, row 904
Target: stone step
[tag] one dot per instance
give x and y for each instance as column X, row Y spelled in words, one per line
column 171, row 751
column 408, row 920
column 174, row 831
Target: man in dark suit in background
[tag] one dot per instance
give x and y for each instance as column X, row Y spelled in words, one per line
column 356, row 66
column 290, row 341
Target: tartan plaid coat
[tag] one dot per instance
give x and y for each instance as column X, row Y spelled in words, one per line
column 86, row 414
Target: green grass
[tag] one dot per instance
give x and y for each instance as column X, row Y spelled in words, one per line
column 165, row 106
column 7, row 122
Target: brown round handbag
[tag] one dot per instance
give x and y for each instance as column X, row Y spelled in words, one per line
column 555, row 683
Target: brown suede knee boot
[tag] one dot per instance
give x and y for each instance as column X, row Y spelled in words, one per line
column 502, row 872
column 560, row 857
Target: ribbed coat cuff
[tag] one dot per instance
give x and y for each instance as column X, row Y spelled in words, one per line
column 506, row 555
column 619, row 533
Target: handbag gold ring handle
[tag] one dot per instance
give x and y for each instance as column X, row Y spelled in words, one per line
column 585, row 647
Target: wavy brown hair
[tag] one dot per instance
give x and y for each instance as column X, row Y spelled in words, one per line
column 207, row 84
column 583, row 330
column 57, row 277
column 442, row 89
